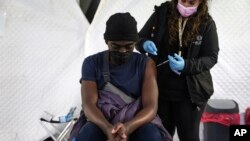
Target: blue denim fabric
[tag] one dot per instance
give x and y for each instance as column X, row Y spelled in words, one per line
column 147, row 132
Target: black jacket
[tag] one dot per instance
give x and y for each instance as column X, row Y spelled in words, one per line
column 202, row 53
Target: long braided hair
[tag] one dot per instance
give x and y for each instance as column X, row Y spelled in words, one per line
column 192, row 26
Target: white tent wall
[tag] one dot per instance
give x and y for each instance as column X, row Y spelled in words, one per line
column 231, row 75
column 45, row 42
column 40, row 64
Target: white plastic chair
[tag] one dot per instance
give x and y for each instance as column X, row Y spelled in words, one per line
column 48, row 119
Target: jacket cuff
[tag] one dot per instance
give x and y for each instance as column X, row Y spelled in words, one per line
column 186, row 67
column 139, row 45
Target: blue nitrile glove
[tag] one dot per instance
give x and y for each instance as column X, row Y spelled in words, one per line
column 149, row 46
column 176, row 63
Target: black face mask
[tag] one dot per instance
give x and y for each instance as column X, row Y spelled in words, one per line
column 119, row 57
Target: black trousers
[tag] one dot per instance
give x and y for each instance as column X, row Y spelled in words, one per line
column 183, row 116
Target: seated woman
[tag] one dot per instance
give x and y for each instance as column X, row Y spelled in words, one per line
column 110, row 117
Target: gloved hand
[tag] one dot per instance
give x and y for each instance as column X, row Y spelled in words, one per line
column 149, row 46
column 176, row 63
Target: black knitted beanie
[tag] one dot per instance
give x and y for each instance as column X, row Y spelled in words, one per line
column 121, row 27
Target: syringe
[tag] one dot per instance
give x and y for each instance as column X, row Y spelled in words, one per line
column 162, row 63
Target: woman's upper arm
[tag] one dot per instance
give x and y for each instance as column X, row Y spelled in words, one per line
column 149, row 88
column 89, row 92
column 145, row 33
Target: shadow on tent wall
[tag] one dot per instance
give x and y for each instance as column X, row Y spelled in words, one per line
column 89, row 8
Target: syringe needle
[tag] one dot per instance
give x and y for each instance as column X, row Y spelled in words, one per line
column 164, row 62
